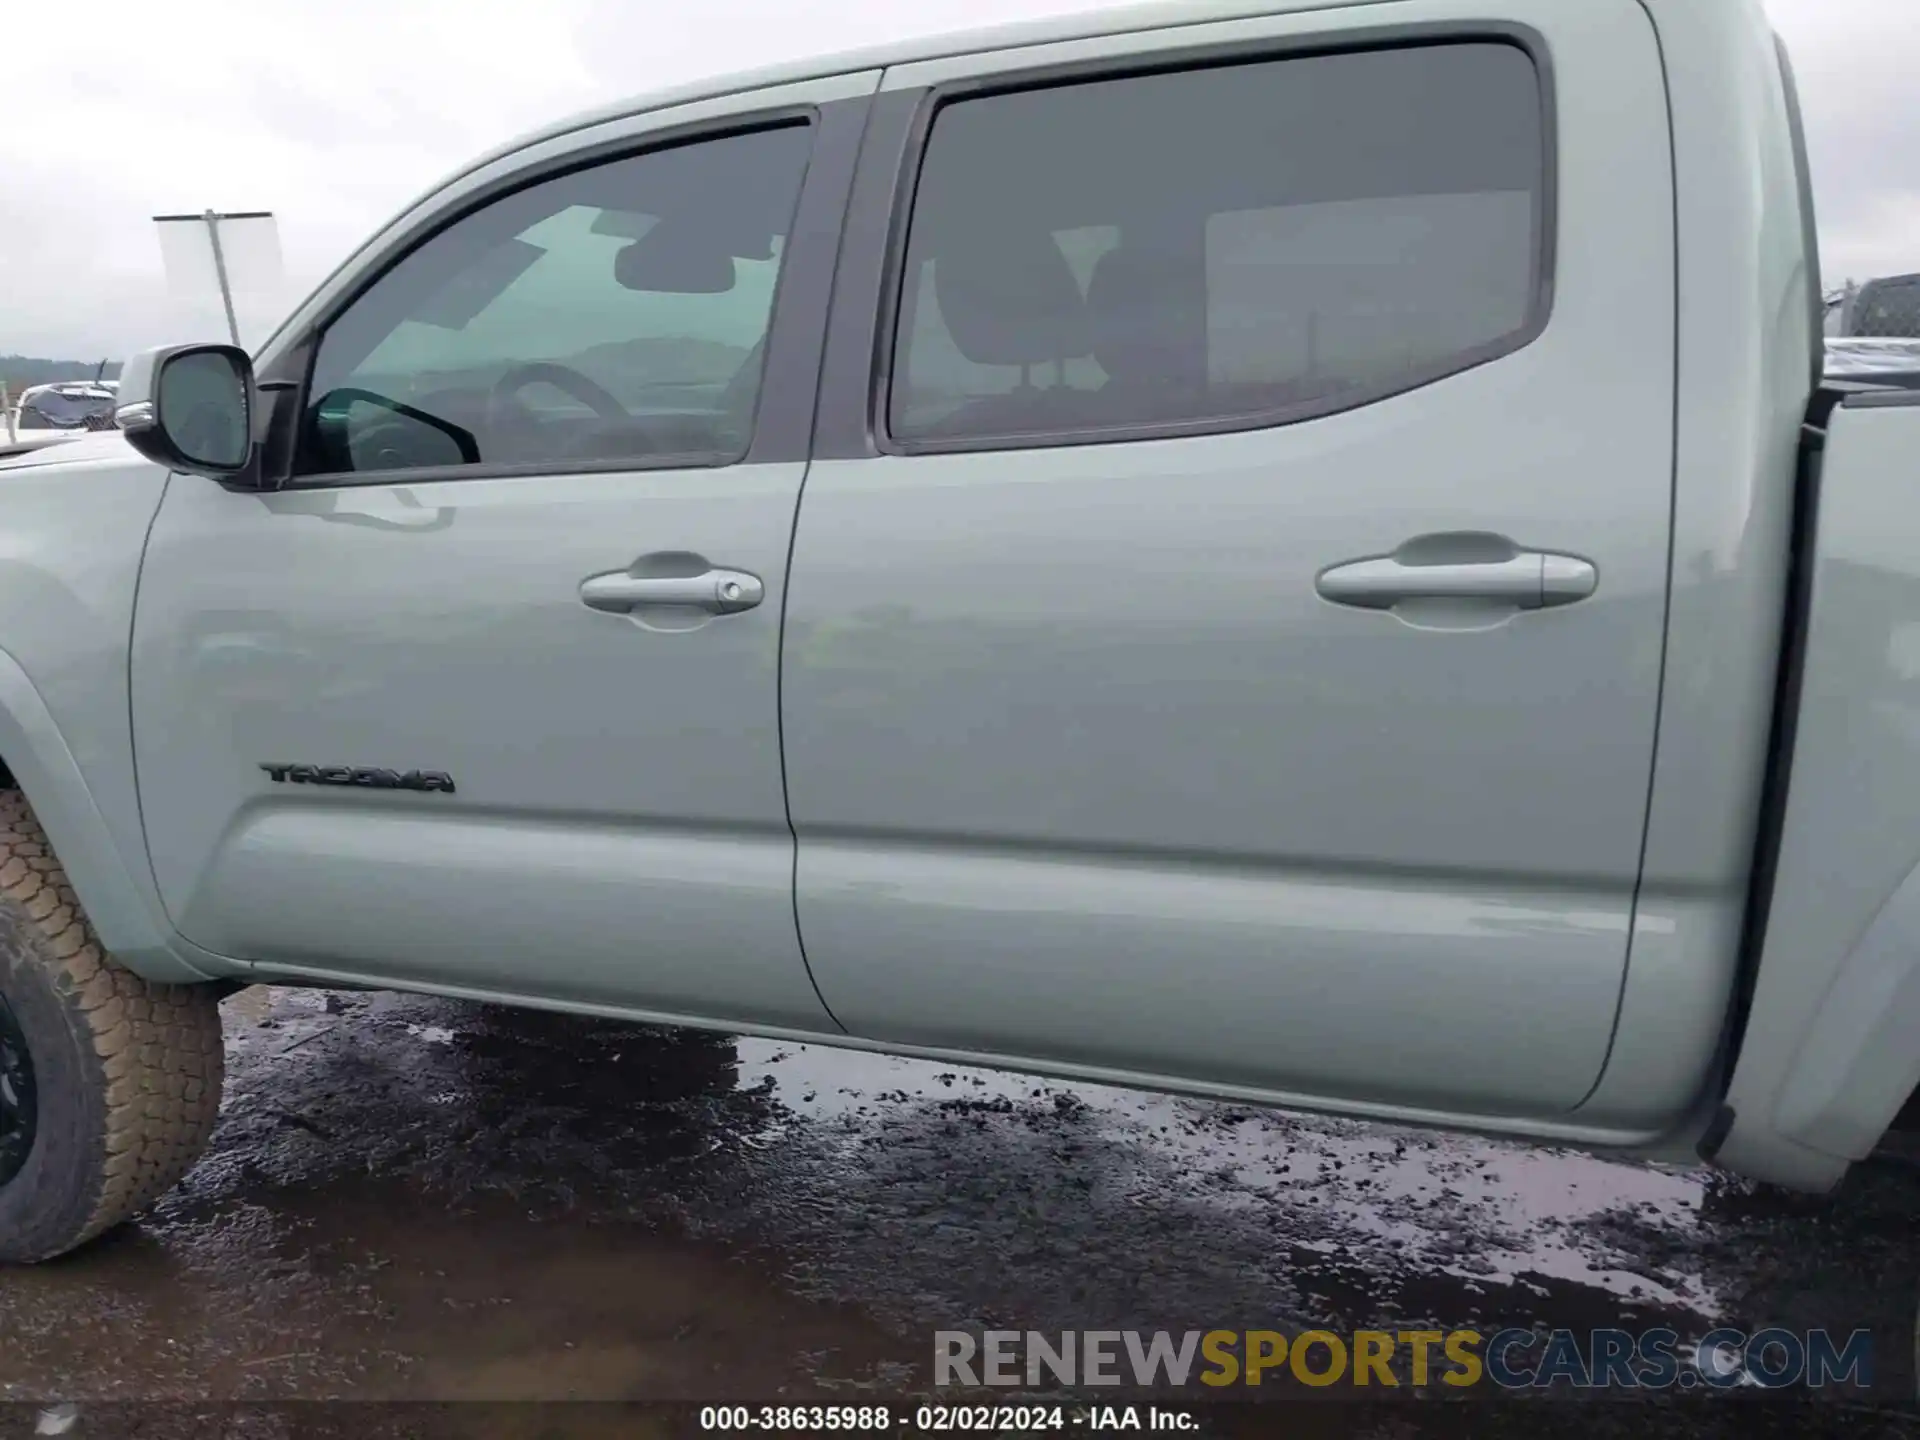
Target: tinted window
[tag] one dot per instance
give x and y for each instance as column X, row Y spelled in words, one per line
column 1235, row 242
column 618, row 312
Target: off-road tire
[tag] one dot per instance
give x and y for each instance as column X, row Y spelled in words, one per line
column 126, row 1074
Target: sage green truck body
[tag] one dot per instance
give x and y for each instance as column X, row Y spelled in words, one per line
column 1518, row 731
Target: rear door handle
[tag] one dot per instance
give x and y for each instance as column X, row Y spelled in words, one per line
column 718, row 592
column 1526, row 580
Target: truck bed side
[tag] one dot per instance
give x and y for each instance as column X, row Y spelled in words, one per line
column 1827, row 1046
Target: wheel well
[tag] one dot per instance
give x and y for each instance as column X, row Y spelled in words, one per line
column 1908, row 1120
column 6, row 776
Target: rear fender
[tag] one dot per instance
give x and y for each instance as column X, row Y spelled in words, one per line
column 1830, row 1046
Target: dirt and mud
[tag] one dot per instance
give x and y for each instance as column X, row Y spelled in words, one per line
column 421, row 1200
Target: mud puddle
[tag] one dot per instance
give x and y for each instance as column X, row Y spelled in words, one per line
column 424, row 1200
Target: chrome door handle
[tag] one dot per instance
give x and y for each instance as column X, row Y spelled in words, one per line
column 1526, row 580
column 718, row 592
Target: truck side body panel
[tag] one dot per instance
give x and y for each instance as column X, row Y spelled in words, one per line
column 921, row 893
column 1828, row 1052
column 1746, row 341
column 612, row 827
column 1082, row 765
column 69, row 563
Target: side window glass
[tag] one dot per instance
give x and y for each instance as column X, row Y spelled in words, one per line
column 619, row 312
column 1241, row 243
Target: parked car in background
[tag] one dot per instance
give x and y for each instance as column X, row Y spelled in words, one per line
column 1875, row 361
column 61, row 410
column 1873, row 332
column 1886, row 308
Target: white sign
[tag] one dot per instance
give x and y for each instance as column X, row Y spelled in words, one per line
column 227, row 268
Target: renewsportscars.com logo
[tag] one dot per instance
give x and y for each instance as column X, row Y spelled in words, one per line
column 1608, row 1359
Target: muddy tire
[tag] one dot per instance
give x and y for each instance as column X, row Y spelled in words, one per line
column 109, row 1085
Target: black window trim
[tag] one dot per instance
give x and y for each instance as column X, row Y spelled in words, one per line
column 796, row 324
column 906, row 151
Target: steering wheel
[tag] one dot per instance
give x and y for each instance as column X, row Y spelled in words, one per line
column 589, row 393
column 401, row 444
column 618, row 433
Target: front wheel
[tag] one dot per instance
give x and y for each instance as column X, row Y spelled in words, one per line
column 109, row 1085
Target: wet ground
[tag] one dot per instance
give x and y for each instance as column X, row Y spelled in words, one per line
column 413, row 1199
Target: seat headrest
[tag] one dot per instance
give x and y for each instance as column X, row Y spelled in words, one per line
column 1140, row 318
column 1009, row 298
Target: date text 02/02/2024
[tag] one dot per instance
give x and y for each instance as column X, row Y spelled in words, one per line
column 942, row 1419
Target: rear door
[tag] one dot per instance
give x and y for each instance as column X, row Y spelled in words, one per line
column 1224, row 637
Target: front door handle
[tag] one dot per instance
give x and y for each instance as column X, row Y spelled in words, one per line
column 1524, row 579
column 718, row 592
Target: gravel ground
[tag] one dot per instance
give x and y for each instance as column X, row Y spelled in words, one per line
column 420, row 1202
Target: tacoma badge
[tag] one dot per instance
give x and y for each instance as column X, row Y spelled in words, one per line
column 436, row 781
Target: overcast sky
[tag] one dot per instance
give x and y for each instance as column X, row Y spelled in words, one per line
column 336, row 113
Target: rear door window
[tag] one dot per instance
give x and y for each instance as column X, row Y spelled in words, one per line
column 1221, row 246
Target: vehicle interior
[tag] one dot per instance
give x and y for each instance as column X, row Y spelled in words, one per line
column 611, row 313
column 1160, row 248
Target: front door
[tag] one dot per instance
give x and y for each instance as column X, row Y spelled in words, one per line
column 1228, row 648
column 485, row 696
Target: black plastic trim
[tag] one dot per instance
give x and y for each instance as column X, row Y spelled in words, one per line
column 282, row 386
column 797, row 330
column 870, row 282
column 784, row 413
column 1788, row 681
column 1716, row 1133
column 843, row 430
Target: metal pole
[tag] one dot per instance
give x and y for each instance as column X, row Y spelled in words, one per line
column 220, row 270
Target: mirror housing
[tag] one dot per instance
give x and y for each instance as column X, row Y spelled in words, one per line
column 190, row 408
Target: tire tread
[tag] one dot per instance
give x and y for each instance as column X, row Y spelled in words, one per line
column 158, row 1046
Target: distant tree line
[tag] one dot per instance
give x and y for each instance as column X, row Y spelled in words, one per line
column 20, row 371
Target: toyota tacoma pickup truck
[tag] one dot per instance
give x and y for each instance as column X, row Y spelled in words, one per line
column 1289, row 551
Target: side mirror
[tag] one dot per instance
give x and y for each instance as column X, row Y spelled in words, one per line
column 190, row 407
